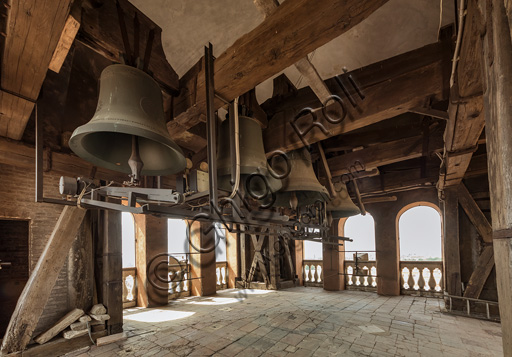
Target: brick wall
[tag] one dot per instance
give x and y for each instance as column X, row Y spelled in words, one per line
column 17, row 201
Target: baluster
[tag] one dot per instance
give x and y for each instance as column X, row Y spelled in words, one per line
column 350, row 272
column 319, row 273
column 426, row 278
column 405, row 276
column 217, row 273
column 312, row 269
column 373, row 271
column 223, row 273
column 185, row 282
column 438, row 274
column 129, row 283
column 416, row 277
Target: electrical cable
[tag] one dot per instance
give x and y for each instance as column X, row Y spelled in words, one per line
column 237, row 151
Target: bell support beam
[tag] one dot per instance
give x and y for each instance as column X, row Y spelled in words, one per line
column 497, row 59
column 26, row 58
column 304, row 66
column 465, row 111
column 266, row 50
column 391, row 87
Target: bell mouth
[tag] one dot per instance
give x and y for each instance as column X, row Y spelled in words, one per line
column 111, row 149
column 304, row 198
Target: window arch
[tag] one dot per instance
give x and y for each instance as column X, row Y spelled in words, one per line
column 128, row 239
column 362, row 230
column 419, row 232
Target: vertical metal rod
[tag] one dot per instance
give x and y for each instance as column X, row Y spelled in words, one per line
column 232, row 148
column 39, row 158
column 211, row 127
column 487, row 310
column 469, row 307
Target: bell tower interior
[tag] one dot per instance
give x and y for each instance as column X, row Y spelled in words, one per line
column 264, row 177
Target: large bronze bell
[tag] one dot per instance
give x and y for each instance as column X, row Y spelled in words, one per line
column 253, row 162
column 341, row 206
column 129, row 114
column 300, row 187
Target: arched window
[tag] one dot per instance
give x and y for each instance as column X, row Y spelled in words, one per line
column 419, row 231
column 362, row 230
column 177, row 242
column 128, row 237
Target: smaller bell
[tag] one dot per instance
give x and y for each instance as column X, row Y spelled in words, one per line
column 300, row 187
column 253, row 162
column 341, row 206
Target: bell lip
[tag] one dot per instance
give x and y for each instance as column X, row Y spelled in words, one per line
column 83, row 130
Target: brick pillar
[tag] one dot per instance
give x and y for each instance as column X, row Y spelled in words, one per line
column 232, row 257
column 333, row 261
column 202, row 265
column 387, row 248
column 151, row 240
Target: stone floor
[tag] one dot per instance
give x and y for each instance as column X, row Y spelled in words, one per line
column 303, row 322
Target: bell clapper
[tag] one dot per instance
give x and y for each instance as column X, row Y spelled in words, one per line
column 135, row 163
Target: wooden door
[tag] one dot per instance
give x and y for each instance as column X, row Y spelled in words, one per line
column 14, row 236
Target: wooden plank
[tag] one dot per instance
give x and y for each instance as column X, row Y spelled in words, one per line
column 66, row 39
column 26, row 57
column 268, row 49
column 14, row 114
column 38, row 289
column 474, row 213
column 384, row 154
column 61, row 346
column 497, row 59
column 479, row 276
column 391, row 88
column 59, row 326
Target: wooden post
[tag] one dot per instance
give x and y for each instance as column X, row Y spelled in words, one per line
column 451, row 253
column 202, row 259
column 33, row 299
column 497, row 57
column 387, row 250
column 333, row 262
column 275, row 269
column 299, row 259
column 112, row 275
column 232, row 257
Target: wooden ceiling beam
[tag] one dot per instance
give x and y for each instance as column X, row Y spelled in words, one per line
column 26, row 57
column 271, row 47
column 384, row 154
column 391, row 87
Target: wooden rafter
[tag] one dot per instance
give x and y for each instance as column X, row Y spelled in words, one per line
column 391, row 88
column 475, row 214
column 269, row 48
column 384, row 154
